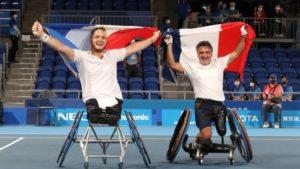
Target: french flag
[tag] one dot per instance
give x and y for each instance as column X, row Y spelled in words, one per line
column 118, row 37
column 223, row 37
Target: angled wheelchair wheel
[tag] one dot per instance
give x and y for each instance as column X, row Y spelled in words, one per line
column 178, row 135
column 70, row 139
column 239, row 135
column 137, row 139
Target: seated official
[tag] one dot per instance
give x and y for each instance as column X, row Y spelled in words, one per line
column 272, row 94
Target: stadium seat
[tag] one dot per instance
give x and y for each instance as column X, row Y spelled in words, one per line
column 120, row 5
column 70, row 5
column 293, row 52
column 150, row 72
column 269, row 59
column 107, row 5
column 265, row 52
column 60, row 70
column 95, row 4
column 259, row 69
column 151, row 83
column 270, row 65
column 121, row 71
column 43, row 83
column 283, row 60
column 58, row 83
column 123, row 83
column 58, row 4
column 284, row 65
column 144, row 5
column 83, row 5
column 273, row 70
column 136, row 83
column 5, row 4
column 230, row 75
column 16, row 4
column 132, row 5
column 73, row 83
column 45, row 71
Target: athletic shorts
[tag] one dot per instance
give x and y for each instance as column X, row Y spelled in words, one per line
column 207, row 111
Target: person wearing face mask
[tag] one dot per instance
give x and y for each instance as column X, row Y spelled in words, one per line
column 259, row 21
column 220, row 12
column 278, row 25
column 238, row 90
column 233, row 12
column 287, row 89
column 272, row 94
column 254, row 90
column 14, row 35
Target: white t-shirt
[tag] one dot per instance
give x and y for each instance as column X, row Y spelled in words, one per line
column 98, row 77
column 207, row 81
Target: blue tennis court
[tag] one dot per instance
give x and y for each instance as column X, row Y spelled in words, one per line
column 30, row 147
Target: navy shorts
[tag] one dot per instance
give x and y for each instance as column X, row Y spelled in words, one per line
column 207, row 111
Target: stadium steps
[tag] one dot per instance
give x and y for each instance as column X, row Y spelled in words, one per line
column 183, row 84
column 21, row 77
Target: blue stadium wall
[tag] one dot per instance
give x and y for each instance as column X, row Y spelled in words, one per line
column 146, row 112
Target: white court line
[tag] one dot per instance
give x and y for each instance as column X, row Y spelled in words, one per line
column 12, row 143
column 158, row 138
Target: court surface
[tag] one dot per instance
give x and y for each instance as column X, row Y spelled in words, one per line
column 30, row 147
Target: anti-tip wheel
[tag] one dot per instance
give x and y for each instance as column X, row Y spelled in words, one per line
column 231, row 161
column 200, row 161
column 86, row 165
column 120, row 165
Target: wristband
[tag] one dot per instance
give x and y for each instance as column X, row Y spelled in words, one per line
column 45, row 38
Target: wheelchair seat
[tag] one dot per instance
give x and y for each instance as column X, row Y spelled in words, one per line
column 108, row 116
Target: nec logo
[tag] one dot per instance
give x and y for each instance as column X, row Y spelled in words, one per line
column 69, row 116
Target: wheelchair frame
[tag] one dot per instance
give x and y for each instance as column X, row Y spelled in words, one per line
column 103, row 142
column 239, row 139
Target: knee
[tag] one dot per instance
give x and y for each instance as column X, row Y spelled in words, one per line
column 277, row 108
column 205, row 134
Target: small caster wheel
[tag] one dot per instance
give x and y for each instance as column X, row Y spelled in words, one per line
column 104, row 160
column 86, row 165
column 120, row 165
column 231, row 161
column 200, row 161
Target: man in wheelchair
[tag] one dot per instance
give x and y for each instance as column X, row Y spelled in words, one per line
column 97, row 69
column 206, row 77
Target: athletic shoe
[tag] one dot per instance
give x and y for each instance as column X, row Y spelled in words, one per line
column 266, row 125
column 276, row 125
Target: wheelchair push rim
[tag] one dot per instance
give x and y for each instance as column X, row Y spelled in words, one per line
column 178, row 135
column 240, row 136
column 137, row 139
column 69, row 139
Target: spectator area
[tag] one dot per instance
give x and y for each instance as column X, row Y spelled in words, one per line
column 265, row 61
column 105, row 5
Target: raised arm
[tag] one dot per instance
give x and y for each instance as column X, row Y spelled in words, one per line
column 170, row 58
column 138, row 46
column 37, row 30
column 238, row 50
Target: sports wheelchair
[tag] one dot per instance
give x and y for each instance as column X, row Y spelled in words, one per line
column 239, row 139
column 98, row 117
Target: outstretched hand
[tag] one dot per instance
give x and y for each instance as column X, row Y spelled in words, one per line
column 37, row 29
column 168, row 39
